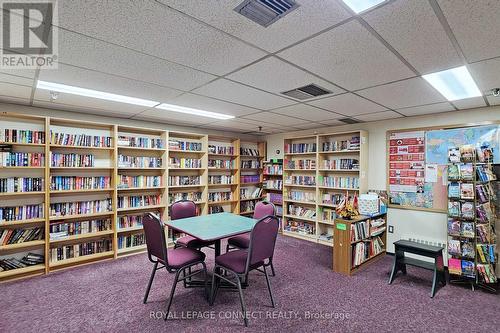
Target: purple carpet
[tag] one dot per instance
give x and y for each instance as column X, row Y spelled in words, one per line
column 107, row 297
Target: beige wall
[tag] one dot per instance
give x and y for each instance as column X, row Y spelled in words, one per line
column 407, row 223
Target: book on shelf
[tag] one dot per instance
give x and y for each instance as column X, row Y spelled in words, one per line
column 214, row 209
column 453, row 172
column 454, row 227
column 185, row 180
column 275, row 198
column 466, row 171
column 139, row 142
column 486, row 253
column 80, row 207
column 21, row 184
column 245, row 207
column 300, row 211
column 184, row 163
column 294, row 148
column 136, row 201
column 484, row 154
column 342, row 145
column 454, row 208
column 131, row 240
column 80, row 250
column 305, row 164
column 483, row 232
column 455, row 266
column 302, row 196
column 221, row 179
column 30, row 259
column 247, row 193
column 301, row 180
column 467, row 229
column 467, row 210
column 58, row 160
column 483, row 193
column 466, row 191
column 220, row 196
column 468, row 268
column 466, row 153
column 341, row 164
column 454, row 247
column 249, row 179
column 125, row 181
column 221, row 164
column 339, row 182
column 221, row 150
column 20, row 159
column 484, row 213
column 484, row 174
column 273, row 184
column 129, row 221
column 363, row 251
column 139, row 162
column 487, row 273
column 67, row 183
column 11, row 135
column 360, row 230
column 249, row 151
column 80, row 140
column 64, row 230
column 468, row 250
column 185, row 145
column 300, row 227
column 273, row 169
column 20, row 213
column 16, row 236
column 176, row 196
column 454, row 155
column 250, row 164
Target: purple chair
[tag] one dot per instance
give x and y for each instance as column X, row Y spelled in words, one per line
column 237, row 264
column 262, row 209
column 175, row 261
column 183, row 209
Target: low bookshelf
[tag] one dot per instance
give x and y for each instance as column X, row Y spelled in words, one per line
column 358, row 242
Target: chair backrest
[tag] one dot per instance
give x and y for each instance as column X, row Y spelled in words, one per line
column 182, row 209
column 263, row 208
column 155, row 237
column 262, row 240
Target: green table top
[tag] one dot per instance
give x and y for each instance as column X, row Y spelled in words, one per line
column 213, row 226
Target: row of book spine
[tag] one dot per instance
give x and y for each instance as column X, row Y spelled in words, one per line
column 300, row 227
column 221, row 179
column 192, row 195
column 363, row 251
column 274, row 184
column 247, row 193
column 30, row 259
column 220, row 196
column 139, row 162
column 139, row 201
column 72, row 160
column 184, row 163
column 16, row 236
column 341, row 182
column 20, row 159
column 214, row 209
column 184, row 145
column 247, row 206
column 341, row 145
column 306, row 164
column 139, row 142
column 125, row 181
column 302, row 196
column 341, row 164
column 221, row 164
column 250, row 178
column 273, row 170
column 82, row 140
column 295, row 148
column 184, row 180
column 301, row 211
column 21, row 184
column 80, row 207
column 60, row 230
column 249, row 151
column 80, row 250
column 129, row 221
column 131, row 240
column 301, row 180
column 67, row 183
column 20, row 213
column 223, row 150
column 250, row 164
column 22, row 136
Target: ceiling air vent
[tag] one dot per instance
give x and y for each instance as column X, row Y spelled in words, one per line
column 349, row 121
column 266, row 12
column 307, row 92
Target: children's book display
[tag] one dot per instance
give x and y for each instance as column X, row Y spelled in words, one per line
column 472, row 255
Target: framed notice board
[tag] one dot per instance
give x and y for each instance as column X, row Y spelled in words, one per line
column 417, row 163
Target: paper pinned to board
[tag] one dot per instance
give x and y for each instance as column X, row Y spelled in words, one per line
column 431, row 173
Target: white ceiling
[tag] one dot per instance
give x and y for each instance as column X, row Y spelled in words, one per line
column 202, row 54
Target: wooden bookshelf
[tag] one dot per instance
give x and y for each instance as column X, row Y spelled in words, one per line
column 346, row 244
column 318, row 166
column 252, row 157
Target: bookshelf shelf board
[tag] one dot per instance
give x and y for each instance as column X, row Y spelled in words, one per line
column 22, row 271
column 221, row 202
column 69, row 217
column 250, row 199
column 301, row 170
column 185, row 169
column 340, row 170
column 24, row 245
column 129, row 209
column 340, row 151
column 300, row 218
column 21, row 222
column 89, row 257
column 250, row 169
column 223, row 155
column 310, row 238
column 143, row 169
column 141, row 188
column 186, row 151
column 196, row 203
column 222, row 169
column 300, row 202
column 184, row 186
column 82, row 191
column 81, row 168
column 131, row 229
column 338, row 188
column 131, row 249
column 250, row 184
column 22, row 167
column 327, row 205
column 273, row 174
column 273, row 189
column 301, row 154
column 20, row 144
column 251, row 156
column 81, row 147
column 140, row 148
column 15, row 194
column 326, row 222
column 81, row 236
column 297, row 185
column 222, row 185
column 325, row 242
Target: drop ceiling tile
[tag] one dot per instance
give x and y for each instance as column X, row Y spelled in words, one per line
column 234, row 92
column 276, row 76
column 14, row 100
column 333, row 123
column 348, row 105
column 307, row 112
column 427, row 109
column 237, row 125
column 486, row 74
column 167, row 117
column 210, row 104
column 88, row 53
column 14, row 79
column 308, row 125
column 379, row 116
column 275, row 119
column 475, row 26
column 104, row 82
column 23, row 73
column 308, row 19
column 153, row 28
column 15, row 90
column 493, row 100
column 412, row 28
column 402, row 94
column 470, row 103
column 349, row 56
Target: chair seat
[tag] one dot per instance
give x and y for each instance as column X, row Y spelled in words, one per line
column 240, row 241
column 183, row 256
column 236, row 261
column 192, row 242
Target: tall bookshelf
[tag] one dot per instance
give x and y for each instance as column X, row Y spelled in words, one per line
column 252, row 157
column 273, row 185
column 103, row 164
column 319, row 170
column 223, row 174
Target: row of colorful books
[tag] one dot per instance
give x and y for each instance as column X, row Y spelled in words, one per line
column 360, row 230
column 192, row 195
column 461, row 191
column 63, row 230
column 82, row 140
column 22, row 136
column 30, row 259
column 139, row 201
column 300, row 227
column 466, row 153
column 340, row 182
column 139, row 142
column 247, row 193
column 221, row 179
column 274, row 184
column 223, row 150
column 174, row 144
column 302, row 196
column 20, row 213
column 341, row 145
column 80, row 207
column 250, row 164
column 221, row 164
column 275, row 198
column 462, row 248
column 78, row 250
column 246, row 206
column 301, row 211
column 139, row 162
column 184, row 180
column 127, row 241
column 294, row 148
column 341, row 164
column 249, row 151
column 125, row 181
column 19, row 159
column 72, row 160
column 363, row 251
column 332, row 198
column 301, row 180
column 306, row 164
column 21, row 184
column 184, row 163
column 129, row 221
column 274, row 169
column 66, row 183
column 16, row 236
column 249, row 179
column 214, row 209
column 220, row 196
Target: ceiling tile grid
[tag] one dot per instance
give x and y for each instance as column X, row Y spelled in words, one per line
column 307, row 112
column 426, row 109
column 347, row 105
column 385, row 115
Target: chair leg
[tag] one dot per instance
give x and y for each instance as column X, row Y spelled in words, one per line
column 243, row 308
column 207, row 293
column 172, row 291
column 150, row 282
column 212, row 290
column 269, row 287
column 273, row 273
column 227, row 248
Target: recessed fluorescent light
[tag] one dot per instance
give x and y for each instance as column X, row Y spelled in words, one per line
column 454, row 84
column 196, row 112
column 94, row 94
column 359, row 6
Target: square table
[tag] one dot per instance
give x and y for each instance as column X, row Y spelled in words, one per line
column 213, row 227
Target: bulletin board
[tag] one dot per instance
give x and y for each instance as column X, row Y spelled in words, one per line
column 417, row 163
